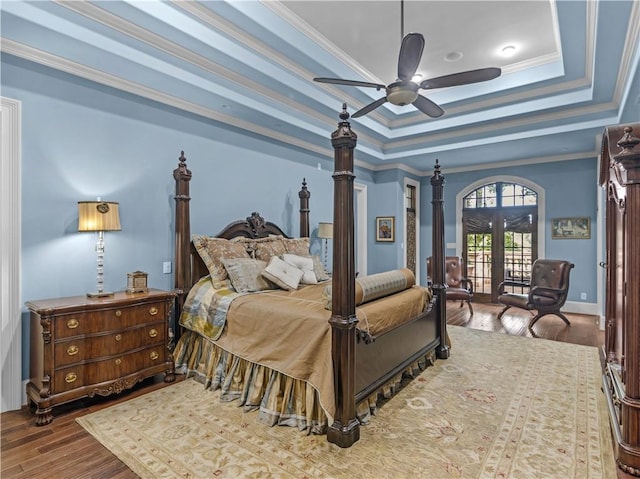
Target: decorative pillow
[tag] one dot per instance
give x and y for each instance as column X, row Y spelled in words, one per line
column 299, row 246
column 246, row 274
column 376, row 286
column 318, row 268
column 212, row 250
column 283, row 274
column 265, row 248
column 305, row 263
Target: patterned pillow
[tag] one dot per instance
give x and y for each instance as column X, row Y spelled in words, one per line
column 283, row 274
column 246, row 275
column 265, row 248
column 212, row 250
column 299, row 246
column 318, row 268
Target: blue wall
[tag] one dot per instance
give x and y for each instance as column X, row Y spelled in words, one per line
column 81, row 140
column 570, row 189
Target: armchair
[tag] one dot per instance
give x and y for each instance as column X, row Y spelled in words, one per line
column 548, row 290
column 458, row 288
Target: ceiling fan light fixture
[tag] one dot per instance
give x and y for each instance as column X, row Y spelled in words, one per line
column 402, row 93
column 417, row 78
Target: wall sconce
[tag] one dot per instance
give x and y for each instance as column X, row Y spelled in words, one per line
column 325, row 232
column 99, row 216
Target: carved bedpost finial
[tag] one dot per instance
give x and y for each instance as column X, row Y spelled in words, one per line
column 182, row 159
column 304, row 192
column 437, row 177
column 344, row 116
column 344, row 129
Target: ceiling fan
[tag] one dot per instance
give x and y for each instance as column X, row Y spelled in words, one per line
column 404, row 90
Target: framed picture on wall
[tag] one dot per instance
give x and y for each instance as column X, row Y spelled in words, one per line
column 571, row 228
column 386, row 228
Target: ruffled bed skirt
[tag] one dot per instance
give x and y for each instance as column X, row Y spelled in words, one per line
column 278, row 398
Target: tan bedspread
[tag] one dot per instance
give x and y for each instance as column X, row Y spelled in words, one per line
column 289, row 331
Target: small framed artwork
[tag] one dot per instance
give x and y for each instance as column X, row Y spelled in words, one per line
column 386, row 228
column 571, row 228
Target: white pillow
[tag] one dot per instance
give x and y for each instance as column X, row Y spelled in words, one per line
column 305, row 263
column 283, row 274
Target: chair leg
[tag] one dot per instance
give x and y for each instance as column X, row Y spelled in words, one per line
column 563, row 317
column 470, row 307
column 503, row 311
column 539, row 315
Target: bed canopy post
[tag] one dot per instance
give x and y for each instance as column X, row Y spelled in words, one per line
column 439, row 284
column 182, row 278
column 304, row 196
column 345, row 430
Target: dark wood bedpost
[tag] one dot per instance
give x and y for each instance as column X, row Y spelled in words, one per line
column 304, row 196
column 182, row 277
column 439, row 284
column 345, row 430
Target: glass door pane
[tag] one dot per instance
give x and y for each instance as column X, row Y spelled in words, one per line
column 479, row 259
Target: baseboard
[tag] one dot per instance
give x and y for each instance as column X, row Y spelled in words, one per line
column 579, row 307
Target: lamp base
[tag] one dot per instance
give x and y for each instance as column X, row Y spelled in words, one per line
column 103, row 294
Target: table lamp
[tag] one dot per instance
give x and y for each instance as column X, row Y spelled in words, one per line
column 99, row 216
column 325, row 232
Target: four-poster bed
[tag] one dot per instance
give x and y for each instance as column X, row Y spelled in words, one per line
column 352, row 361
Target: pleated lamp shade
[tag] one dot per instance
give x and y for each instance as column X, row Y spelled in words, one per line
column 98, row 216
column 325, row 230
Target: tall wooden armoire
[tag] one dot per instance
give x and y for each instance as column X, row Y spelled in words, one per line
column 620, row 175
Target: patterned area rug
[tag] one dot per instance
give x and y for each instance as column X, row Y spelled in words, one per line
column 499, row 407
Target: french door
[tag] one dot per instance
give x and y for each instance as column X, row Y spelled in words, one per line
column 500, row 226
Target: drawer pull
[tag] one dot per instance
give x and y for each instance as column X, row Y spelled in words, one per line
column 118, row 337
column 70, row 377
column 118, row 313
column 153, row 333
column 73, row 323
column 153, row 355
column 153, row 311
column 118, row 362
column 72, row 350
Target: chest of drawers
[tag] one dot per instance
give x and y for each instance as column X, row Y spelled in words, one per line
column 82, row 347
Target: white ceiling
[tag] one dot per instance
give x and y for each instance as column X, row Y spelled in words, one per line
column 249, row 65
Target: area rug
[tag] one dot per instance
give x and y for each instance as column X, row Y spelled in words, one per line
column 499, row 407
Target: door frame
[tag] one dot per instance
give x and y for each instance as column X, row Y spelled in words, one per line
column 11, row 254
column 361, row 225
column 508, row 179
column 416, row 185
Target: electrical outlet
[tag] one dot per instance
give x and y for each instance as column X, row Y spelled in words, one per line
column 166, row 267
column 583, row 295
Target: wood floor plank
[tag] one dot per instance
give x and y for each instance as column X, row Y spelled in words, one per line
column 64, row 450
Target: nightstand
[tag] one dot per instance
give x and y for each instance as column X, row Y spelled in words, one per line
column 81, row 347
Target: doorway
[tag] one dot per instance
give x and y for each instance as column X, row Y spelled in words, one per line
column 499, row 235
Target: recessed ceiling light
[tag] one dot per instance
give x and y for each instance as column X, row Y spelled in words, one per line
column 417, row 78
column 508, row 50
column 453, row 56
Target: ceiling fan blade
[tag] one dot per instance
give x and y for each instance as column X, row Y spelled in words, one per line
column 339, row 81
column 410, row 55
column 369, row 107
column 463, row 78
column 427, row 107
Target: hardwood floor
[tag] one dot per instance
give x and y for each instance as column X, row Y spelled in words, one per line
column 64, row 450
